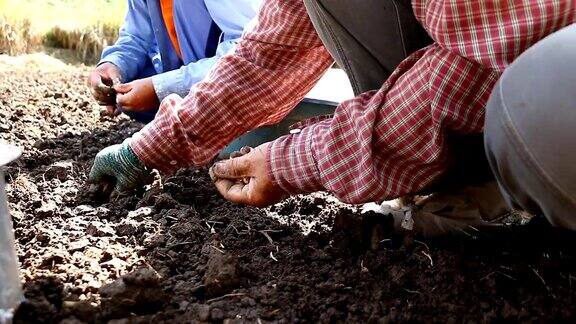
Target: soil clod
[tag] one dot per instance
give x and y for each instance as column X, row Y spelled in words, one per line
column 139, row 292
column 222, row 273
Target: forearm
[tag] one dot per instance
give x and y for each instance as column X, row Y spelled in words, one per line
column 180, row 81
column 194, row 129
column 388, row 143
column 272, row 69
column 130, row 51
column 128, row 55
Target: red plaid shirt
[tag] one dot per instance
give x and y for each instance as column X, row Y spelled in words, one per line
column 382, row 144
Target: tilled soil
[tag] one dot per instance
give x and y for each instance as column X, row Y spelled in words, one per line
column 177, row 252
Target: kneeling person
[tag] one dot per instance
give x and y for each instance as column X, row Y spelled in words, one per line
column 166, row 47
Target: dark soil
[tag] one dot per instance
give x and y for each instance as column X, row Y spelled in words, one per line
column 179, row 253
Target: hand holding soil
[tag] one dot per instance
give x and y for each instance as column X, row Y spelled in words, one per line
column 244, row 179
column 101, row 81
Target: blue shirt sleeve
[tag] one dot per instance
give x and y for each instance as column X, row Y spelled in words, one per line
column 181, row 80
column 131, row 52
column 231, row 16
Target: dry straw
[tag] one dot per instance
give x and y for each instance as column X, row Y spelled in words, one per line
column 18, row 37
column 87, row 43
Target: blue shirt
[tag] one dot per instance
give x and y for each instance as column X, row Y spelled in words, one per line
column 206, row 30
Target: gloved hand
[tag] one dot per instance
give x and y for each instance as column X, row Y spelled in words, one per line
column 118, row 166
column 101, row 81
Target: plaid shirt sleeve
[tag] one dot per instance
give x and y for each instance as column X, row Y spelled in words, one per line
column 273, row 67
column 388, row 143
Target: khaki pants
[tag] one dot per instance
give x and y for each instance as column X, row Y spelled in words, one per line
column 530, row 133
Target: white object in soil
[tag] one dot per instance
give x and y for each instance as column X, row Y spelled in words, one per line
column 10, row 286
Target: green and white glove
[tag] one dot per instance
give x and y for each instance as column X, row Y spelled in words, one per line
column 118, row 166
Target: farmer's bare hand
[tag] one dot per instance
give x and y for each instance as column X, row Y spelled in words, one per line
column 138, row 95
column 101, row 81
column 243, row 179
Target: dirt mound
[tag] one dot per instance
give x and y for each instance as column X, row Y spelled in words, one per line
column 138, row 292
column 179, row 253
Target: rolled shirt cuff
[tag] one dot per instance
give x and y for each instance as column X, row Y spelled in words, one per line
column 154, row 147
column 292, row 165
column 170, row 82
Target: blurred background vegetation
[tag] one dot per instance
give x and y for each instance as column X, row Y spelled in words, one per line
column 75, row 30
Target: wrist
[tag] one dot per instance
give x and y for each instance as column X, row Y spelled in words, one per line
column 131, row 158
column 170, row 82
column 270, row 171
column 291, row 165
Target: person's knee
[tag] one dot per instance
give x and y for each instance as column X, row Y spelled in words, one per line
column 541, row 80
column 535, row 99
column 529, row 126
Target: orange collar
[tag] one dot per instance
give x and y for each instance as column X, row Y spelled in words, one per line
column 167, row 7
